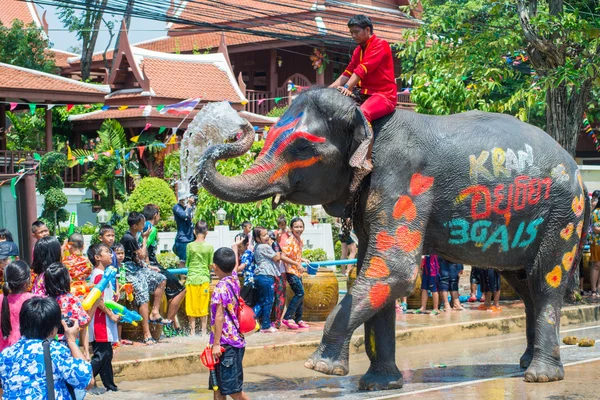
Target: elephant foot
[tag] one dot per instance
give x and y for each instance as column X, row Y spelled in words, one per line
column 377, row 380
column 543, row 372
column 526, row 359
column 326, row 366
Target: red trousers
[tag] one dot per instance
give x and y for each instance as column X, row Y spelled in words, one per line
column 377, row 106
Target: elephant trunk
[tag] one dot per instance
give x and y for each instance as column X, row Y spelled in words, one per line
column 236, row 189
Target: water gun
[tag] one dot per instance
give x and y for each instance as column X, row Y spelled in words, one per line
column 128, row 287
column 72, row 223
column 209, row 362
column 80, row 288
column 127, row 316
column 109, row 275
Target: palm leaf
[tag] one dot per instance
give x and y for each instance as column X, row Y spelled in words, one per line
column 78, row 153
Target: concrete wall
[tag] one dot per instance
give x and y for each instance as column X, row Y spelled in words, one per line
column 8, row 211
column 76, row 197
column 591, row 176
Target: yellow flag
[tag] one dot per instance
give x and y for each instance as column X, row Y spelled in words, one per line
column 244, row 102
column 123, row 108
column 69, row 154
column 135, row 139
column 173, row 139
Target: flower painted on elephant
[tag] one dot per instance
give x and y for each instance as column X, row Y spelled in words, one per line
column 384, row 241
column 407, row 239
column 559, row 173
column 578, row 204
column 567, row 261
column 378, row 294
column 579, row 229
column 420, row 184
column 567, row 231
column 287, row 167
column 550, row 315
column 578, row 174
column 405, row 207
column 378, row 269
column 554, row 277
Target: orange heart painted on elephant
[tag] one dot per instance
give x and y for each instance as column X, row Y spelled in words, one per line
column 579, row 229
column 384, row 241
column 567, row 261
column 379, row 294
column 377, row 269
column 405, row 208
column 554, row 277
column 577, row 205
column 420, row 184
column 567, row 231
column 408, row 240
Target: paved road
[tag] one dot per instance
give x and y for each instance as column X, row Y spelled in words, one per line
column 468, row 369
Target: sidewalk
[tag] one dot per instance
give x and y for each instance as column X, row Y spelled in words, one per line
column 179, row 356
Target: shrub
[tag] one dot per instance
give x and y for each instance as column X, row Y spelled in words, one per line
column 166, row 225
column 48, row 182
column 55, row 199
column 53, row 163
column 277, row 111
column 153, row 191
column 168, row 260
column 337, row 250
column 315, row 255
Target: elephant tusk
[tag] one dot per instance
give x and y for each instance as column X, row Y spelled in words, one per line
column 277, row 198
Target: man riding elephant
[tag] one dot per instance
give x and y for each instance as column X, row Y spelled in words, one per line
column 371, row 71
column 476, row 188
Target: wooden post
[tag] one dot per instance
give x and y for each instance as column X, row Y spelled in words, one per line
column 26, row 214
column 48, row 129
column 2, row 126
column 321, row 78
column 273, row 77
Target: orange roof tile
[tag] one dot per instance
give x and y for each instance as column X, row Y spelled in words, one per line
column 61, row 57
column 132, row 112
column 12, row 77
column 15, row 9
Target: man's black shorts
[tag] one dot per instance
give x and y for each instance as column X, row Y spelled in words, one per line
column 230, row 375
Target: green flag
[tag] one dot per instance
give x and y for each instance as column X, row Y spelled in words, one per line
column 32, row 107
column 277, row 99
column 162, row 129
column 13, row 186
column 159, row 108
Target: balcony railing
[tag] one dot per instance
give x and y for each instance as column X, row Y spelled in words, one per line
column 12, row 161
column 255, row 105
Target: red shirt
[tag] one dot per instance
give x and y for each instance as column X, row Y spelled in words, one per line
column 375, row 66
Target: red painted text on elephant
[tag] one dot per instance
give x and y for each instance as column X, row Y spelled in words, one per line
column 502, row 163
column 503, row 199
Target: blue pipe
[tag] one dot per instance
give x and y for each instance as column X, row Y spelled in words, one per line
column 313, row 266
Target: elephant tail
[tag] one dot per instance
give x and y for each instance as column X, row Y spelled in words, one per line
column 584, row 231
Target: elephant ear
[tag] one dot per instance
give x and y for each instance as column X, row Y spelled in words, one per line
column 361, row 132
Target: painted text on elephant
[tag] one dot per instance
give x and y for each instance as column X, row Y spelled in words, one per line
column 484, row 235
column 501, row 163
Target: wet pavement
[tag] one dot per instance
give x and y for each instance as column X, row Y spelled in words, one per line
column 463, row 369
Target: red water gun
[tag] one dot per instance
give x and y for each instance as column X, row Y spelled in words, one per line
column 209, row 362
column 128, row 287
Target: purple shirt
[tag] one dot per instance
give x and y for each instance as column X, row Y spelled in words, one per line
column 431, row 266
column 222, row 294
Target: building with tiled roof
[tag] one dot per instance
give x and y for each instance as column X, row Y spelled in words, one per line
column 23, row 10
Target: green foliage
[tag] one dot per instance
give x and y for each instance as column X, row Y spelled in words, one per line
column 88, row 229
column 153, row 191
column 25, row 46
column 337, row 250
column 315, row 255
column 259, row 213
column 172, row 166
column 277, row 112
column 53, row 163
column 55, row 199
column 166, row 225
column 168, row 260
column 47, row 182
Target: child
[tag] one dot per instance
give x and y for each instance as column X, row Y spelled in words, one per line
column 103, row 328
column 107, row 237
column 38, row 230
column 449, row 275
column 225, row 328
column 17, row 280
column 245, row 264
column 78, row 266
column 475, row 279
column 46, row 251
column 247, row 230
column 144, row 278
column 279, row 295
column 294, row 270
column 283, row 233
column 199, row 258
column 264, row 278
column 490, row 285
column 7, row 238
column 58, row 286
column 429, row 282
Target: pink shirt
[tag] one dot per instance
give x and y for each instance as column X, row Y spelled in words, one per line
column 15, row 302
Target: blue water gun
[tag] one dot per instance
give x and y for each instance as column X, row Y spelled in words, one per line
column 109, row 275
column 127, row 316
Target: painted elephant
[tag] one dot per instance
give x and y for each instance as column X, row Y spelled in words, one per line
column 477, row 188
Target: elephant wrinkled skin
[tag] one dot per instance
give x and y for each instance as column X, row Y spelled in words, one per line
column 476, row 188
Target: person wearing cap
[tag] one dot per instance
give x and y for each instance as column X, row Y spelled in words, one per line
column 5, row 257
column 183, row 212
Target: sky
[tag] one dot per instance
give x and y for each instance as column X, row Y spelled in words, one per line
column 140, row 30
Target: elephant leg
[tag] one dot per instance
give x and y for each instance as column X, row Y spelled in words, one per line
column 518, row 280
column 380, row 344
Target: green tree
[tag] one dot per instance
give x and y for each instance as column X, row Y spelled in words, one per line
column 86, row 24
column 536, row 60
column 50, row 186
column 153, row 191
column 259, row 213
column 26, row 46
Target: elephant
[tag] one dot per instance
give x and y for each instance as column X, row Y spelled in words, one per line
column 476, row 188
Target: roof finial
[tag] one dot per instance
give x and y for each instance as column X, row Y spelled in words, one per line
column 223, row 50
